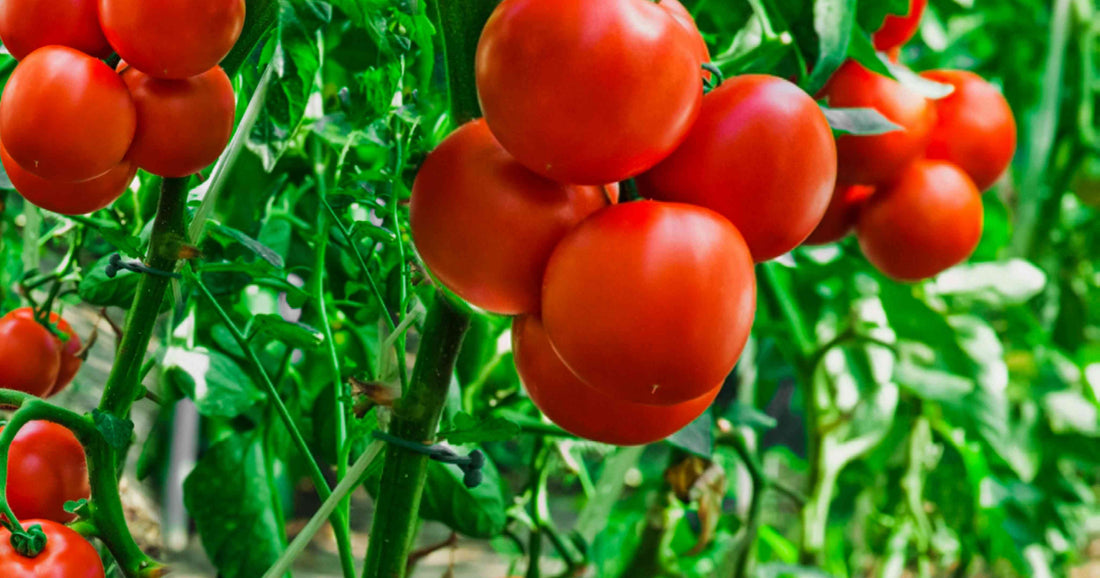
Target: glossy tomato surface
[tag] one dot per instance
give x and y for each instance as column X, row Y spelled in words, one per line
column 46, row 468
column 183, row 125
column 874, row 160
column 70, row 348
column 584, row 411
column 172, row 38
column 897, row 30
column 976, row 129
column 66, row 116
column 69, row 198
column 928, row 221
column 762, row 155
column 67, row 555
column 650, row 302
column 27, row 25
column 589, row 92
column 30, row 356
column 485, row 225
column 840, row 219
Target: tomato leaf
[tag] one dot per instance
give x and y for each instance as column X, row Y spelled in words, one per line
column 233, row 235
column 297, row 335
column 117, row 431
column 697, row 437
column 834, row 21
column 96, row 288
column 858, row 121
column 217, row 385
column 477, row 512
column 466, row 429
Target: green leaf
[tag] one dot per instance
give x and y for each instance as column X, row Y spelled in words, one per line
column 477, row 512
column 295, row 335
column 697, row 437
column 859, row 121
column 231, row 501
column 96, row 288
column 118, row 237
column 999, row 284
column 117, row 431
column 740, row 414
column 919, row 84
column 834, row 21
column 233, row 235
column 217, row 385
column 466, row 429
column 778, row 570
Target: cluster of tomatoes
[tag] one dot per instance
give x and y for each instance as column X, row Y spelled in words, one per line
column 630, row 315
column 167, row 107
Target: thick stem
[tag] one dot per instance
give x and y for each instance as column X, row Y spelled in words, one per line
column 168, row 236
column 416, row 418
column 461, row 22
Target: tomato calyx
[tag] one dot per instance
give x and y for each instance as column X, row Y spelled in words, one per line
column 628, row 191
column 28, row 543
column 715, row 79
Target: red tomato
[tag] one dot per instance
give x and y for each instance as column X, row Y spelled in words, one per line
column 975, row 130
column 761, row 154
column 69, row 198
column 468, row 192
column 584, row 411
column 926, row 222
column 897, row 30
column 842, row 215
column 30, row 356
column 183, row 125
column 650, row 302
column 874, row 160
column 685, row 18
column 589, row 92
column 66, row 116
column 46, row 468
column 172, row 38
column 67, row 555
column 70, row 363
column 27, row 25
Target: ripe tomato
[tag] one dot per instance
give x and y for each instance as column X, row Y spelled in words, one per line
column 589, row 92
column 183, row 125
column 66, row 116
column 69, row 198
column 650, row 302
column 172, row 38
column 926, row 222
column 468, row 191
column 842, row 215
column 584, row 411
column 30, row 356
column 897, row 30
column 975, row 130
column 46, row 468
column 70, row 363
column 762, row 155
column 874, row 160
column 67, row 555
column 686, row 20
column 27, row 25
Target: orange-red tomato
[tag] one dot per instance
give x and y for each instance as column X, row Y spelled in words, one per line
column 27, row 25
column 976, row 129
column 927, row 221
column 69, row 198
column 589, row 92
column 582, row 410
column 897, row 30
column 70, row 362
column 842, row 215
column 685, row 18
column 46, row 468
column 762, row 155
column 172, row 38
column 183, row 125
column 30, row 356
column 67, row 555
column 66, row 116
column 468, row 193
column 650, row 302
column 875, row 160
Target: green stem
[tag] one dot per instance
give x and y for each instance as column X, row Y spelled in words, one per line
column 461, row 22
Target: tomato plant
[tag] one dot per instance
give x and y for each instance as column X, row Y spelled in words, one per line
column 27, row 25
column 66, row 555
column 46, row 468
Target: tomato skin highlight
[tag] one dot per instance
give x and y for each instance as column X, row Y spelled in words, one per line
column 172, row 38
column 841, row 217
column 875, row 160
column 46, row 468
column 469, row 191
column 27, row 25
column 61, row 91
column 762, row 155
column 897, row 30
column 589, row 92
column 70, row 362
column 928, row 221
column 976, row 129
column 69, row 198
column 584, row 411
column 30, row 356
column 650, row 302
column 67, row 555
column 183, row 125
